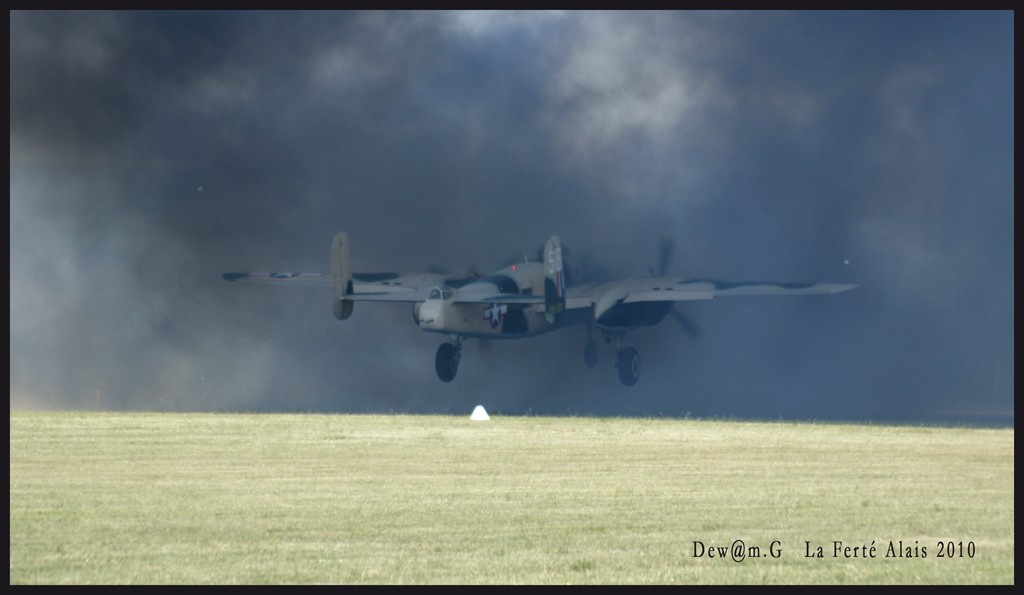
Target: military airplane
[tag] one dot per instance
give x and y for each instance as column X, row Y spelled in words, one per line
column 524, row 299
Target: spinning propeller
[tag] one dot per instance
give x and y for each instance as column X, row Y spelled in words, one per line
column 665, row 250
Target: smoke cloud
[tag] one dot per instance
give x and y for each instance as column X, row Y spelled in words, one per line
column 152, row 151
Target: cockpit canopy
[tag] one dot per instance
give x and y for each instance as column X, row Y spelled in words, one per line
column 439, row 293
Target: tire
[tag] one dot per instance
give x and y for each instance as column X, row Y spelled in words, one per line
column 447, row 361
column 629, row 366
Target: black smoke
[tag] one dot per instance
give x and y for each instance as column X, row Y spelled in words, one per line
column 152, row 151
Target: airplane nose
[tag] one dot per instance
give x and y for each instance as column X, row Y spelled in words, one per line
column 429, row 315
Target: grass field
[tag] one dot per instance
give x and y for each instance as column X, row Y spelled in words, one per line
column 263, row 498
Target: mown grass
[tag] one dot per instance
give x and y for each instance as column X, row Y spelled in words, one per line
column 261, row 498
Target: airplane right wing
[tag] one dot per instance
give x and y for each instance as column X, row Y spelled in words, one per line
column 662, row 289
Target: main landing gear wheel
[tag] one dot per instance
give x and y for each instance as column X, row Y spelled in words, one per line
column 590, row 354
column 447, row 361
column 629, row 366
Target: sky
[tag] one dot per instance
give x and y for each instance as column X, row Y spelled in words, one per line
column 152, row 151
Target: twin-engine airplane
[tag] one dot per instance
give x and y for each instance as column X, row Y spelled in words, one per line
column 523, row 300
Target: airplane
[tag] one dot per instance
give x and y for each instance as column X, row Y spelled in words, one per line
column 525, row 299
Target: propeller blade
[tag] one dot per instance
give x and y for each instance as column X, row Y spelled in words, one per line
column 688, row 325
column 665, row 249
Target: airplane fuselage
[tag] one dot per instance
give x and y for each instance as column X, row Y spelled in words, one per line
column 443, row 313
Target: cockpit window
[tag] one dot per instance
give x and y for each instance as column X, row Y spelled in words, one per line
column 439, row 293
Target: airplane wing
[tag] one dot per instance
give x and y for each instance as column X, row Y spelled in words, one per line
column 350, row 287
column 388, row 287
column 368, row 287
column 385, row 287
column 667, row 289
column 307, row 279
column 366, row 294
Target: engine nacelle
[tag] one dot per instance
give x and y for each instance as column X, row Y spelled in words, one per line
column 616, row 316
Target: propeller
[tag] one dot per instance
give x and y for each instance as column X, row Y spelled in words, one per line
column 666, row 247
column 687, row 324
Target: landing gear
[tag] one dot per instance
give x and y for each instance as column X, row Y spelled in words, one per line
column 627, row 360
column 629, row 366
column 447, row 360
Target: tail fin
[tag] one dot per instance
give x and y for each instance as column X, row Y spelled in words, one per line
column 341, row 277
column 554, row 279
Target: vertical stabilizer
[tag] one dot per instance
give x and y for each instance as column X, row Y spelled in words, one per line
column 554, row 279
column 341, row 277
